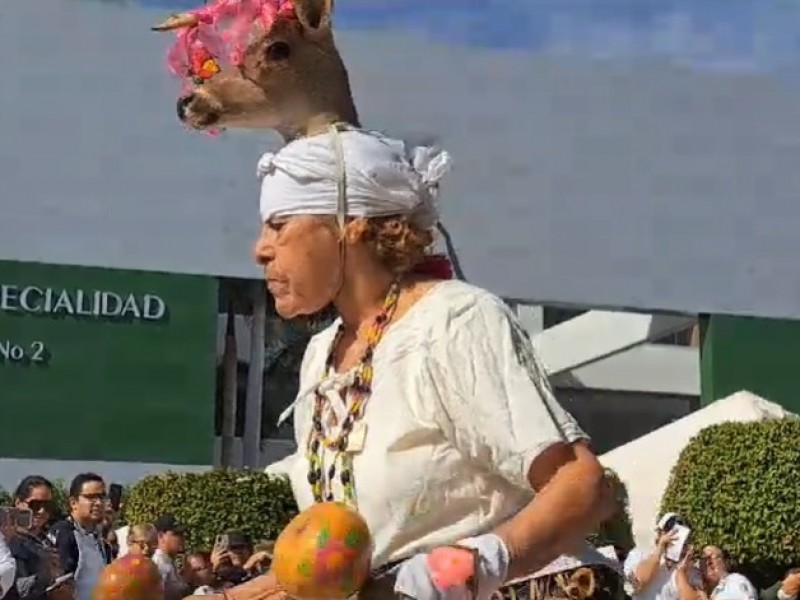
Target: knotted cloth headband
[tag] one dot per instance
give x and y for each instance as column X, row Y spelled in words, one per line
column 381, row 177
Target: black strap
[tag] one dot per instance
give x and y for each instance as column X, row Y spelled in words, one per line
column 385, row 568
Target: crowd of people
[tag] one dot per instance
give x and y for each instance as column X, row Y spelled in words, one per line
column 699, row 573
column 60, row 556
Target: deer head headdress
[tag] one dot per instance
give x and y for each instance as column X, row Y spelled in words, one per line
column 274, row 64
column 260, row 64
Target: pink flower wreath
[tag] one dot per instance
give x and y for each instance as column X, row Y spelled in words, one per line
column 219, row 34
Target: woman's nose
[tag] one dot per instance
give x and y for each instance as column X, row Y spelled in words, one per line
column 263, row 251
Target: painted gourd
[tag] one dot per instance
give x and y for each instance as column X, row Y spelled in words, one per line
column 129, row 578
column 324, row 553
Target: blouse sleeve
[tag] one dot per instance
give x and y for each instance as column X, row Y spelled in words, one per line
column 8, row 568
column 498, row 405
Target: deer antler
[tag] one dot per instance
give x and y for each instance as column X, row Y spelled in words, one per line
column 177, row 21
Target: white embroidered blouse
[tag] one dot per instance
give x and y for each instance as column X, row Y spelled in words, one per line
column 460, row 407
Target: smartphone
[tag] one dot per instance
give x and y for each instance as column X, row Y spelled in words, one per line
column 59, row 582
column 221, row 543
column 115, row 496
column 678, row 545
column 21, row 518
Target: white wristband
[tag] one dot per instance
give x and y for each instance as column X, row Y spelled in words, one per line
column 784, row 596
column 493, row 563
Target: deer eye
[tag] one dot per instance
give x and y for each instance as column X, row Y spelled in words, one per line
column 278, row 51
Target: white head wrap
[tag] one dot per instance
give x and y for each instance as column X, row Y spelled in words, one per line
column 382, row 177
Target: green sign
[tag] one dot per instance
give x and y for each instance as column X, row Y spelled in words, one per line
column 100, row 364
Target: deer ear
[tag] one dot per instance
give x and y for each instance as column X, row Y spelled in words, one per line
column 314, row 15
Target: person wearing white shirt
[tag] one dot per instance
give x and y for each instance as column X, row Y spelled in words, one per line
column 718, row 583
column 8, row 567
column 170, row 540
column 650, row 574
column 723, row 584
column 445, row 427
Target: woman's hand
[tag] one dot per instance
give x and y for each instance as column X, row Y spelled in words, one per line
column 420, row 577
column 686, row 563
column 53, row 562
column 257, row 559
column 218, row 557
column 664, row 540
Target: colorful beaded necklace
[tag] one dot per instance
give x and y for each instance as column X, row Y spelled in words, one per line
column 358, row 393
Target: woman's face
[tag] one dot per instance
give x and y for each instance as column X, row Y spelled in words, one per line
column 713, row 564
column 300, row 256
column 143, row 544
column 199, row 571
column 40, row 503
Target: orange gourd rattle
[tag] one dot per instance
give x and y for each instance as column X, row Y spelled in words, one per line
column 324, row 552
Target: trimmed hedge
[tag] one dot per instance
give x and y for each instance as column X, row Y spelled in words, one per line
column 212, row 502
column 738, row 484
column 617, row 531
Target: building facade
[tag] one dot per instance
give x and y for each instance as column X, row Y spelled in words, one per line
column 103, row 364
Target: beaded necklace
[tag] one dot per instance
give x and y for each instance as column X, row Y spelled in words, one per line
column 358, row 393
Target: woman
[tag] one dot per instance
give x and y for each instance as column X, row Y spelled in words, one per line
column 198, row 573
column 424, row 404
column 37, row 564
column 142, row 540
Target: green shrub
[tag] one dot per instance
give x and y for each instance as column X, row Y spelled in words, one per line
column 210, row 503
column 5, row 497
column 738, row 484
column 61, row 497
column 615, row 531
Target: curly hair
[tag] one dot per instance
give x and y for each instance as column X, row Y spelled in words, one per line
column 399, row 244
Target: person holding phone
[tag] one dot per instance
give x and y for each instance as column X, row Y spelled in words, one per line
column 650, row 572
column 37, row 563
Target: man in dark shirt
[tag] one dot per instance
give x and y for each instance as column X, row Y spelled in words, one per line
column 77, row 539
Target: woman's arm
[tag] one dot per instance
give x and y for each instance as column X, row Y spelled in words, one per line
column 499, row 410
column 646, row 570
column 572, row 499
column 685, row 590
column 260, row 588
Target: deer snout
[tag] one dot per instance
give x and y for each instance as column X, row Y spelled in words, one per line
column 197, row 110
column 183, row 104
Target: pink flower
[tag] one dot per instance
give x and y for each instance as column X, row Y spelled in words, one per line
column 224, row 30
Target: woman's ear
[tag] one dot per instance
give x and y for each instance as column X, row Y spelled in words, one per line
column 356, row 231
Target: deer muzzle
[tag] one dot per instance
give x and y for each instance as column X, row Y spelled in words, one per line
column 198, row 111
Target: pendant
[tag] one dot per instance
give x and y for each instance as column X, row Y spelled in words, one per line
column 357, row 437
column 331, row 421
